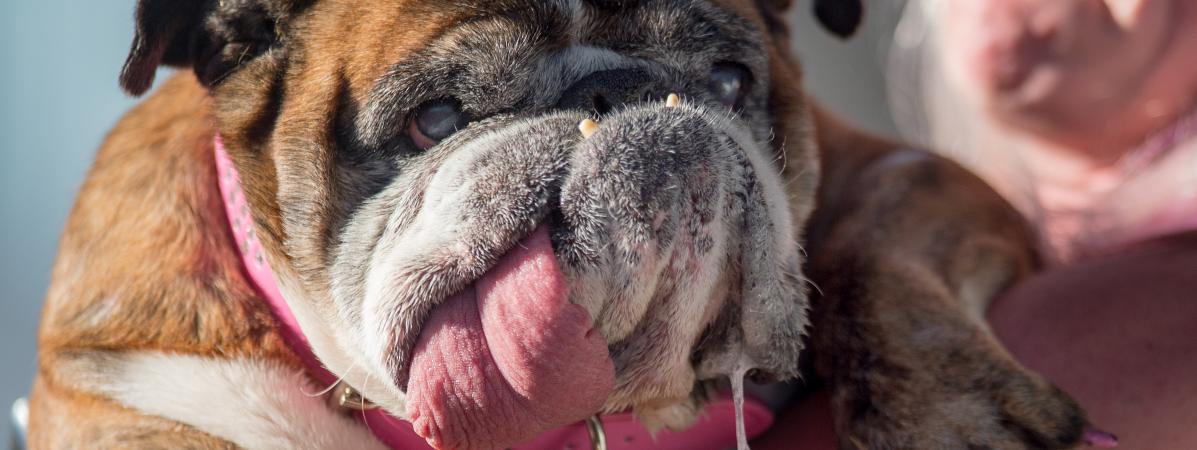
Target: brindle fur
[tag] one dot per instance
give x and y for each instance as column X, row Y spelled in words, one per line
column 908, row 254
column 907, row 248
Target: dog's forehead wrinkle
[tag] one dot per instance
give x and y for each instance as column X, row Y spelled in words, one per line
column 486, row 67
column 677, row 28
column 498, row 64
column 497, row 59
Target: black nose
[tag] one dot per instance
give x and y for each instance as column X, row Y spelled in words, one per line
column 605, row 90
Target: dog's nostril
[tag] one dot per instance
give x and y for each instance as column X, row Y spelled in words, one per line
column 606, row 90
column 601, row 105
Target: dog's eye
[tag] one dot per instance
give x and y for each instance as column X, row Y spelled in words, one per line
column 436, row 120
column 730, row 83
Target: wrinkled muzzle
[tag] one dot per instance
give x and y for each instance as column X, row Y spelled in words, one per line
column 520, row 276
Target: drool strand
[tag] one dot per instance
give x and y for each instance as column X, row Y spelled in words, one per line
column 737, row 384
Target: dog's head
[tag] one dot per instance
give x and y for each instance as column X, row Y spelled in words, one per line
column 454, row 245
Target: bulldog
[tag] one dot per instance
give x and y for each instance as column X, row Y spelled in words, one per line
column 491, row 219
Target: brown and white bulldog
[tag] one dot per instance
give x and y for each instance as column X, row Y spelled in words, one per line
column 458, row 252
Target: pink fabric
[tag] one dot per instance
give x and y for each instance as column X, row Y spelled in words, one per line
column 714, row 430
column 1178, row 217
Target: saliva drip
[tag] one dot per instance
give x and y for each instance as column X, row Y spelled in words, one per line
column 737, row 385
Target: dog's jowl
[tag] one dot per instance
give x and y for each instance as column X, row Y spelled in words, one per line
column 485, row 219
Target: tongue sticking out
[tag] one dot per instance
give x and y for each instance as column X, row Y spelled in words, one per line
column 508, row 357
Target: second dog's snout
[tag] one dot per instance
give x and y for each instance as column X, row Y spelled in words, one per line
column 606, row 90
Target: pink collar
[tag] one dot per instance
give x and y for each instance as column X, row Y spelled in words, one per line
column 715, row 428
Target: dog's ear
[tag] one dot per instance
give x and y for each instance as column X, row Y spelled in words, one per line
column 213, row 37
column 840, row 17
column 774, row 12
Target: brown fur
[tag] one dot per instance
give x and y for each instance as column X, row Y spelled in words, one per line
column 908, row 250
column 146, row 263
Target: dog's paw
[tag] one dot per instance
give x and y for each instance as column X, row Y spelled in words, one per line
column 966, row 402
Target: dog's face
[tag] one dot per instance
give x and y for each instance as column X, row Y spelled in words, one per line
column 448, row 237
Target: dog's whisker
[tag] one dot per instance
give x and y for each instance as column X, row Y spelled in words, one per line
column 798, row 243
column 240, row 59
column 781, row 149
column 812, row 284
column 332, row 386
column 796, row 178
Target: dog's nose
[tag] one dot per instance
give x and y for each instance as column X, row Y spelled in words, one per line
column 606, row 90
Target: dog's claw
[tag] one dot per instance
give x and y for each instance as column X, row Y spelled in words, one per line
column 1100, row 439
column 672, row 101
column 588, row 128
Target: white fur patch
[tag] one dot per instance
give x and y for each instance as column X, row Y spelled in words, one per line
column 254, row 404
column 354, row 368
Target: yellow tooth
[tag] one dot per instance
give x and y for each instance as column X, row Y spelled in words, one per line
column 588, row 127
column 673, row 100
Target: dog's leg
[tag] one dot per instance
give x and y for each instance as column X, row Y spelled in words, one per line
column 910, row 250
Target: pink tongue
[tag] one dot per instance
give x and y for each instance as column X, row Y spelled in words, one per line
column 508, row 357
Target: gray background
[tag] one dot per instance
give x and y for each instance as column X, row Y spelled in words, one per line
column 59, row 61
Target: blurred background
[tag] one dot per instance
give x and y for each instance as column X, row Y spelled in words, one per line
column 59, row 96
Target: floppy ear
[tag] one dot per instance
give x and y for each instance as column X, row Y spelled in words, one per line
column 774, row 12
column 840, row 17
column 213, row 37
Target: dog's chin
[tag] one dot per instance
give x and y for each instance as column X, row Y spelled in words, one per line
column 508, row 356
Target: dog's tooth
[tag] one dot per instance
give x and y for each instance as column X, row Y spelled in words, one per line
column 672, row 101
column 588, row 128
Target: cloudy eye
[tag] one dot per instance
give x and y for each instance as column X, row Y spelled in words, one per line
column 730, row 83
column 436, row 120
